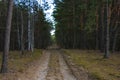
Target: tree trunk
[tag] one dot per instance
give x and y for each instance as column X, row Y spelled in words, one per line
column 29, row 31
column 18, row 36
column 18, row 32
column 102, row 30
column 4, row 67
column 74, row 25
column 114, row 42
column 115, row 38
column 97, row 25
column 32, row 42
column 106, row 55
column 22, row 33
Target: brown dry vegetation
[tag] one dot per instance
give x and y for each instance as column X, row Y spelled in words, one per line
column 18, row 64
column 99, row 68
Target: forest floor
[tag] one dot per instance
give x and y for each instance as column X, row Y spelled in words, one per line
column 54, row 64
column 50, row 66
column 97, row 67
column 18, row 64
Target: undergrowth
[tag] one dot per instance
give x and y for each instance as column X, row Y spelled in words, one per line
column 18, row 63
column 98, row 68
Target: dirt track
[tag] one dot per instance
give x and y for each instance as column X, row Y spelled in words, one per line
column 52, row 66
column 58, row 70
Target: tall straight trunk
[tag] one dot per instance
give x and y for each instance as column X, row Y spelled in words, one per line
column 84, row 31
column 22, row 33
column 18, row 32
column 102, row 30
column 32, row 42
column 97, row 25
column 18, row 36
column 115, row 37
column 116, row 22
column 4, row 67
column 29, row 32
column 74, row 36
column 81, row 24
column 107, row 45
column 29, row 28
column 114, row 41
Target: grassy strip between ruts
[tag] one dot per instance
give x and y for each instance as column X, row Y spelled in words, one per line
column 18, row 63
column 99, row 68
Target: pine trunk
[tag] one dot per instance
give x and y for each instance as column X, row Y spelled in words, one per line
column 106, row 55
column 4, row 67
column 22, row 33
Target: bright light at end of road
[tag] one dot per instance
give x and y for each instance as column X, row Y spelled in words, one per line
column 49, row 12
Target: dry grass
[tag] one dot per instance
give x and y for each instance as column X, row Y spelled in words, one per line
column 99, row 68
column 18, row 64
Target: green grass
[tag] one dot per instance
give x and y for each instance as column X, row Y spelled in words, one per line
column 18, row 63
column 99, row 68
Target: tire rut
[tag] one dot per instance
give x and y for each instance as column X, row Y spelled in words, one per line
column 43, row 69
column 54, row 72
column 65, row 70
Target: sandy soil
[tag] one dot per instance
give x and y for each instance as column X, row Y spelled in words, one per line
column 58, row 69
column 52, row 66
column 66, row 72
column 38, row 71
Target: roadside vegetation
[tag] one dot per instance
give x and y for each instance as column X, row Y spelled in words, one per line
column 18, row 64
column 97, row 66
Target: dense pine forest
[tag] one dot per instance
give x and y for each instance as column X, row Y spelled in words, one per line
column 27, row 28
column 81, row 26
column 88, row 24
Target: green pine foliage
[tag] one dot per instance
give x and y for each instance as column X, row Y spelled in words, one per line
column 82, row 24
column 75, row 20
column 41, row 27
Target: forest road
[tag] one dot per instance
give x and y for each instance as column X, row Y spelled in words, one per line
column 51, row 66
column 57, row 67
